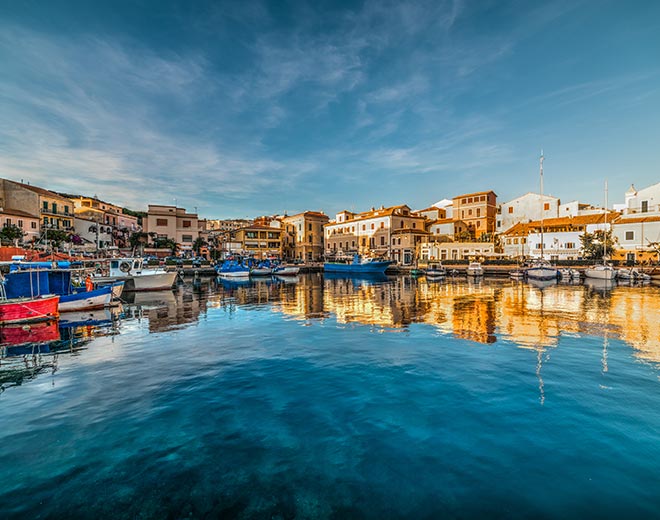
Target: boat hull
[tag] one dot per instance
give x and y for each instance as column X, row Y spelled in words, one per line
column 95, row 299
column 600, row 274
column 234, row 274
column 143, row 282
column 286, row 271
column 541, row 273
column 366, row 268
column 261, row 271
column 22, row 310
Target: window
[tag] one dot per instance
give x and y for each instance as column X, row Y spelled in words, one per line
column 546, row 206
column 510, row 209
column 414, row 225
column 186, row 238
column 186, row 223
column 382, row 225
column 479, row 223
column 66, row 210
column 364, row 242
column 364, row 227
column 8, row 222
column 161, row 222
column 464, row 201
column 478, row 212
column 645, row 206
column 393, row 241
column 372, row 226
column 630, row 235
column 33, row 225
column 45, row 206
column 20, row 223
column 382, row 241
column 54, row 207
column 570, row 245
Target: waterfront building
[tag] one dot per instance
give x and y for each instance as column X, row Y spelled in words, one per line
column 94, row 234
column 526, row 208
column 405, row 243
column 27, row 223
column 92, row 208
column 303, row 236
column 561, row 236
column 446, row 229
column 52, row 210
column 258, row 241
column 369, row 233
column 434, row 251
column 174, row 223
column 478, row 210
column 577, row 209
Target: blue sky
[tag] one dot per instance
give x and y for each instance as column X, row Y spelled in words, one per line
column 248, row 108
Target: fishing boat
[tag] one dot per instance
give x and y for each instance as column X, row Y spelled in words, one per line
column 262, row 269
column 474, row 270
column 136, row 277
column 83, row 300
column 21, row 310
column 286, row 270
column 436, row 271
column 233, row 269
column 358, row 266
column 29, row 334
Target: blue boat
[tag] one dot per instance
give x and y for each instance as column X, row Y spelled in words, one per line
column 32, row 283
column 358, row 266
column 233, row 269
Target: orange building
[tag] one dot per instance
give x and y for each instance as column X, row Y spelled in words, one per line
column 477, row 210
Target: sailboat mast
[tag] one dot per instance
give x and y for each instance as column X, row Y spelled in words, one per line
column 605, row 228
column 542, row 205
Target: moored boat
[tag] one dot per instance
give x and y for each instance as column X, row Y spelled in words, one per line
column 233, row 269
column 436, row 271
column 600, row 272
column 136, row 277
column 286, row 270
column 541, row 270
column 94, row 299
column 474, row 270
column 358, row 266
column 20, row 310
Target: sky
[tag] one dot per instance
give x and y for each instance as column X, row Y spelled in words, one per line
column 243, row 108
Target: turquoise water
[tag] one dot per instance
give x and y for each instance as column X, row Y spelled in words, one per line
column 378, row 398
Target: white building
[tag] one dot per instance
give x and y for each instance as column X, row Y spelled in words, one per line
column 646, row 200
column 433, row 251
column 577, row 209
column 527, row 208
column 561, row 236
column 93, row 234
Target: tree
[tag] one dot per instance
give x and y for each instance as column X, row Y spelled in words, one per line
column 55, row 237
column 463, row 236
column 198, row 244
column 166, row 243
column 137, row 238
column 598, row 244
column 10, row 234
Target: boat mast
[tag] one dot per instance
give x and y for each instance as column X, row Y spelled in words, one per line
column 605, row 228
column 542, row 205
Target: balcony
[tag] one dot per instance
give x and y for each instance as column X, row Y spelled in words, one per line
column 51, row 211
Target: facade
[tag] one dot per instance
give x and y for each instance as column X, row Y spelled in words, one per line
column 478, row 210
column 638, row 238
column 561, row 236
column 368, row 233
column 646, row 200
column 434, row 251
column 94, row 235
column 526, row 208
column 52, row 210
column 446, row 228
column 175, row 223
column 24, row 221
column 405, row 243
column 258, row 241
column 227, row 224
column 303, row 236
column 432, row 213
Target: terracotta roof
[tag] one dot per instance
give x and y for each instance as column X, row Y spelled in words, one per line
column 384, row 212
column 310, row 213
column 581, row 220
column 624, row 219
column 432, row 208
column 443, row 221
column 18, row 213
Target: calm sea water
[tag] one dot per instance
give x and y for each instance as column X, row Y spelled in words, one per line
column 338, row 398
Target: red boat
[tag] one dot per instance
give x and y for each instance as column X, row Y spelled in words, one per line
column 19, row 310
column 22, row 334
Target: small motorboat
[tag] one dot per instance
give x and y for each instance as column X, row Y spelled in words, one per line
column 518, row 274
column 286, row 270
column 436, row 271
column 475, row 270
column 624, row 274
column 569, row 275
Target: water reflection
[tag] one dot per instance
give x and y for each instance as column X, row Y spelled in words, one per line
column 531, row 316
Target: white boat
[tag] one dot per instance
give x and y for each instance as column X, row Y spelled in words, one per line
column 261, row 271
column 94, row 299
column 641, row 275
column 569, row 275
column 624, row 274
column 518, row 274
column 135, row 277
column 286, row 270
column 436, row 271
column 541, row 270
column 600, row 272
column 475, row 269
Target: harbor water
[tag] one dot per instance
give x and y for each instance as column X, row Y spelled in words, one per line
column 313, row 397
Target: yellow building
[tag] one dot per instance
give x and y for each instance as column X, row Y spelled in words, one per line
column 303, row 237
column 258, row 241
column 478, row 210
column 54, row 211
column 175, row 223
